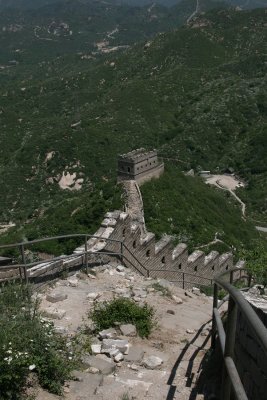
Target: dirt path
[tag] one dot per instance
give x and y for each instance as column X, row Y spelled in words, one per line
column 194, row 13
column 180, row 339
column 229, row 183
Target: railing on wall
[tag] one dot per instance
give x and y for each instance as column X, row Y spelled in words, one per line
column 123, row 253
column 231, row 381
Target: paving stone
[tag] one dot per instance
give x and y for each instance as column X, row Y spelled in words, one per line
column 166, row 284
column 120, row 344
column 120, row 268
column 73, row 282
column 119, row 357
column 54, row 313
column 177, row 299
column 152, row 362
column 190, row 331
column 96, row 348
column 135, row 354
column 108, row 334
column 105, row 367
column 93, row 296
column 128, row 330
column 56, row 297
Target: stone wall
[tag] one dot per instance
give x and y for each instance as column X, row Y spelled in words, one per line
column 141, row 252
column 251, row 361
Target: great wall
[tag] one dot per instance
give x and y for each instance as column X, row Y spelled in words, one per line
column 123, row 238
column 123, row 235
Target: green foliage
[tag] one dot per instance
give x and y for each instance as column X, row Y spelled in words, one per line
column 159, row 288
column 122, row 310
column 196, row 93
column 194, row 212
column 256, row 263
column 28, row 343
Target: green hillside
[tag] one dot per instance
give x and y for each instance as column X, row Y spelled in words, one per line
column 196, row 93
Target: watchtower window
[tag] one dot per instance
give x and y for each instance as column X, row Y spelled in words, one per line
column 226, row 267
column 134, row 244
column 163, row 260
column 180, row 266
column 123, row 232
column 129, row 169
column 212, row 268
column 195, row 269
column 148, row 253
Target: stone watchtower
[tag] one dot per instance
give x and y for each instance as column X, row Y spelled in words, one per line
column 139, row 165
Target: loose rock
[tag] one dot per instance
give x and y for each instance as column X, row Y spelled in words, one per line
column 177, row 299
column 54, row 313
column 128, row 330
column 56, row 297
column 108, row 334
column 152, row 362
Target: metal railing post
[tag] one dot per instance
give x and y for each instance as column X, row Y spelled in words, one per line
column 215, row 306
column 183, row 280
column 229, row 347
column 23, row 258
column 231, row 277
column 86, row 254
column 121, row 252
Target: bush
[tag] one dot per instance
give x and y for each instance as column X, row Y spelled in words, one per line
column 122, row 310
column 28, row 343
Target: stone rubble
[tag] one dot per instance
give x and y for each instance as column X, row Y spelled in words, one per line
column 120, row 361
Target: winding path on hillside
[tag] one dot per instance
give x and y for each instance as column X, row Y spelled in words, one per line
column 195, row 12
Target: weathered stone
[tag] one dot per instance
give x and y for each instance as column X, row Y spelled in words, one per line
column 92, row 370
column 91, row 276
column 120, row 268
column 61, row 329
column 73, row 282
column 122, row 291
column 108, row 334
column 166, row 284
column 56, row 297
column 128, row 330
column 177, row 299
column 196, row 291
column 96, row 348
column 54, row 313
column 114, row 352
column 189, row 294
column 104, row 366
column 190, row 331
column 150, row 290
column 135, row 354
column 119, row 357
column 93, row 296
column 110, row 344
column 139, row 293
column 152, row 362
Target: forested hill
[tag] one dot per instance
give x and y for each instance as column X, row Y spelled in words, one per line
column 197, row 93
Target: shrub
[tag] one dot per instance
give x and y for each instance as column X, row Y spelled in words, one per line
column 28, row 343
column 122, row 310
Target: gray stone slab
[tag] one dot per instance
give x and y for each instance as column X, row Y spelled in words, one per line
column 105, row 367
column 135, row 354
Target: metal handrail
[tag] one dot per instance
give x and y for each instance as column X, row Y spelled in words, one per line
column 231, row 380
column 6, row 246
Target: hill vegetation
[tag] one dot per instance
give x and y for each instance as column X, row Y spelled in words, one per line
column 68, row 107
